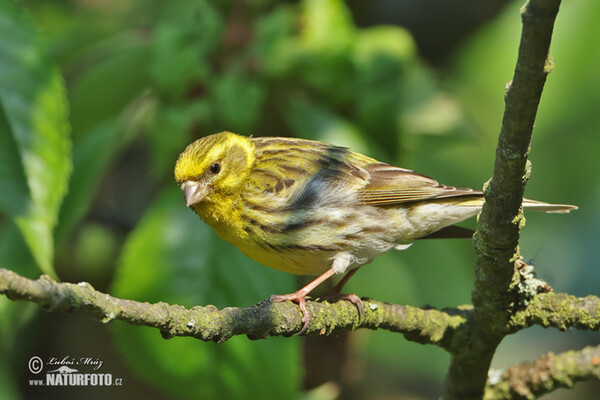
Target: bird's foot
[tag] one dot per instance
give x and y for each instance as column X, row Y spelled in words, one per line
column 352, row 298
column 299, row 298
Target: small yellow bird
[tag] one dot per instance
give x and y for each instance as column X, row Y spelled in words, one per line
column 311, row 208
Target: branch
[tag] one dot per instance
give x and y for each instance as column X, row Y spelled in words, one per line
column 447, row 328
column 496, row 241
column 529, row 380
column 257, row 321
column 501, row 219
column 558, row 310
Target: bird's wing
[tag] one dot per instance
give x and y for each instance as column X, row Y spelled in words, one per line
column 298, row 174
column 393, row 185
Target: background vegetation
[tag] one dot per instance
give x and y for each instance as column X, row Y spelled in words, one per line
column 99, row 97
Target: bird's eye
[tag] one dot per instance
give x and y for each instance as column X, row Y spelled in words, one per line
column 215, row 168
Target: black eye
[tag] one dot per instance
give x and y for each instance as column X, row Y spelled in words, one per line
column 215, row 168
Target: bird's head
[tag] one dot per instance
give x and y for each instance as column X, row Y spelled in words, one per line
column 213, row 164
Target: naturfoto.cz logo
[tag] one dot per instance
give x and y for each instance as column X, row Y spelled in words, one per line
column 67, row 371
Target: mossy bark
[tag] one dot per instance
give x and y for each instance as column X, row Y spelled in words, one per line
column 497, row 238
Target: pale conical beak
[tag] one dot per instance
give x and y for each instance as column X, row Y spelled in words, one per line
column 194, row 192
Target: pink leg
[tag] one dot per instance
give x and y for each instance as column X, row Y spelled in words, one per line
column 299, row 297
column 338, row 288
column 352, row 298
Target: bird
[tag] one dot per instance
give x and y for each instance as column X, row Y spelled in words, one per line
column 311, row 208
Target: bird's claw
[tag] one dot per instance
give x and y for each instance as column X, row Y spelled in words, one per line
column 352, row 298
column 298, row 298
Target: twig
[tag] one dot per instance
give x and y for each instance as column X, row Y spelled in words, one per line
column 558, row 310
column 529, row 380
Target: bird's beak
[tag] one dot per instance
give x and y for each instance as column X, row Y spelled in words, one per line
column 194, row 192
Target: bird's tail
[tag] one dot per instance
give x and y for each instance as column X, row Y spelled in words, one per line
column 472, row 205
column 547, row 207
column 477, row 202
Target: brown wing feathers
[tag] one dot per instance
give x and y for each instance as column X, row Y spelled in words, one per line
column 393, row 185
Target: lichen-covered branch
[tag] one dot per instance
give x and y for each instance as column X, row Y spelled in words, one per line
column 529, row 380
column 497, row 237
column 448, row 328
column 558, row 310
column 501, row 219
column 257, row 321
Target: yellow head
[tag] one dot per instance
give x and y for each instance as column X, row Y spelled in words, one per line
column 217, row 163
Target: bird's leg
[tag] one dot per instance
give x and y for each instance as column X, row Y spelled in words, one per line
column 352, row 298
column 338, row 288
column 340, row 264
column 299, row 297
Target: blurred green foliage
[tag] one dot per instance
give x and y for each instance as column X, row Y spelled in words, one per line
column 36, row 141
column 86, row 158
column 172, row 258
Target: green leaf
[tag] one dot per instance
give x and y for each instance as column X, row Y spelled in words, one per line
column 15, row 254
column 310, row 120
column 187, row 33
column 109, row 107
column 327, row 26
column 104, row 90
column 383, row 44
column 382, row 56
column 173, row 256
column 238, row 100
column 326, row 40
column 273, row 44
column 12, row 175
column 32, row 95
column 170, row 131
column 91, row 156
